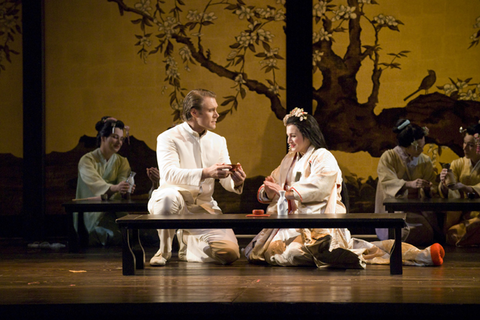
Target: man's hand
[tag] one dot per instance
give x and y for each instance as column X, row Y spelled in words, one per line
column 154, row 176
column 238, row 175
column 217, row 171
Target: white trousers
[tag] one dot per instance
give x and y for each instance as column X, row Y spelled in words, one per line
column 203, row 245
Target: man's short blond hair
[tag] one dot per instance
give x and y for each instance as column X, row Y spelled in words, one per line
column 194, row 100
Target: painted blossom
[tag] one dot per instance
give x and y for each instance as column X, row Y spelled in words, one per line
column 239, row 79
column 272, row 52
column 244, row 13
column 469, row 95
column 475, row 36
column 324, row 35
column 365, row 1
column 171, row 68
column 193, row 16
column 391, row 21
column 317, row 57
column 168, row 27
column 380, row 19
column 461, row 85
column 144, row 6
column 282, row 2
column 185, row 53
column 274, row 88
column 315, row 37
column 264, row 35
column 477, row 23
column 269, row 62
column 209, row 17
column 449, row 88
column 279, row 16
column 244, row 39
column 252, row 26
column 319, row 9
column 232, row 54
column 344, row 13
column 145, row 42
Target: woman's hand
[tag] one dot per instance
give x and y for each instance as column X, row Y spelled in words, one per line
column 443, row 174
column 271, row 188
column 122, row 187
column 418, row 183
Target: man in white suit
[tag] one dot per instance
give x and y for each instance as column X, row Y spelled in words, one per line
column 190, row 158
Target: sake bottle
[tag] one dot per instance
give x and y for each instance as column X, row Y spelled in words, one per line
column 282, row 205
column 131, row 181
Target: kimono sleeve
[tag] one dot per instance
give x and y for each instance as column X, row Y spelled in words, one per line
column 90, row 176
column 388, row 178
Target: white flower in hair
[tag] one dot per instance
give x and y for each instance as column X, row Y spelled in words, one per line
column 297, row 112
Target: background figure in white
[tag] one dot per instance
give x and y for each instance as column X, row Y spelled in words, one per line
column 190, row 158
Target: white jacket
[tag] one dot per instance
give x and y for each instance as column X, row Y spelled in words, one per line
column 182, row 154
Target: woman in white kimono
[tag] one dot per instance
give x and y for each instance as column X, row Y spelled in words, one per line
column 103, row 173
column 405, row 172
column 463, row 228
column 312, row 179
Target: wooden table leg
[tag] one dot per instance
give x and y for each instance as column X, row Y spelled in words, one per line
column 128, row 257
column 73, row 242
column 396, row 254
column 137, row 249
column 82, row 231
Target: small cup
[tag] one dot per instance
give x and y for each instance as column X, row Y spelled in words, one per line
column 234, row 167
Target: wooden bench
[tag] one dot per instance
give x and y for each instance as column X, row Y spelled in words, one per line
column 133, row 254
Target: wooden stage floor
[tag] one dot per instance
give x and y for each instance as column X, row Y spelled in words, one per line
column 48, row 284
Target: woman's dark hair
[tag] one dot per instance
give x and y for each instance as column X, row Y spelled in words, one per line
column 309, row 129
column 473, row 129
column 106, row 126
column 407, row 133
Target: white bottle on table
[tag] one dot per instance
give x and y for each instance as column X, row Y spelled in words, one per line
column 282, row 205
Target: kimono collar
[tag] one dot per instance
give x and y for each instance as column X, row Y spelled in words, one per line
column 307, row 154
column 474, row 167
column 405, row 157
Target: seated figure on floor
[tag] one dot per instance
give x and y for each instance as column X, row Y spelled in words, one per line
column 103, row 173
column 190, row 158
column 405, row 172
column 463, row 228
column 312, row 180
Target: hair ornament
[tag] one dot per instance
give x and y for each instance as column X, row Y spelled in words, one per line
column 403, row 125
column 127, row 133
column 297, row 112
column 461, row 130
column 426, row 131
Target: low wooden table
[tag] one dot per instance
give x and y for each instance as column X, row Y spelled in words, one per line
column 133, row 254
column 79, row 240
column 434, row 204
